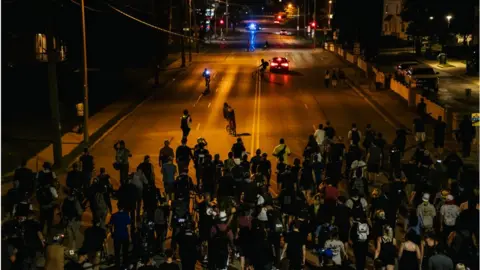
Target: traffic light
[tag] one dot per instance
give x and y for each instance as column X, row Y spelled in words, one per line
column 313, row 24
column 279, row 17
column 221, row 21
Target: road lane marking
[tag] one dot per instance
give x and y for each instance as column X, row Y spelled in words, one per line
column 257, row 142
column 199, row 97
column 306, row 107
column 314, row 129
column 209, row 104
column 254, row 120
column 198, row 126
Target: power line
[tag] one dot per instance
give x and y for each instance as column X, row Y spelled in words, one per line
column 89, row 8
column 149, row 24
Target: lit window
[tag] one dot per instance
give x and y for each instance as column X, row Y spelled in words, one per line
column 41, row 48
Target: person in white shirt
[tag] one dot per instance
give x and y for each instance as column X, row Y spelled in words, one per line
column 337, row 247
column 358, row 164
column 449, row 213
column 319, row 134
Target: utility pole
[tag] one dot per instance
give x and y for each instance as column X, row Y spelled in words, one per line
column 85, row 79
column 226, row 18
column 53, row 87
column 156, row 67
column 170, row 17
column 304, row 17
column 298, row 20
column 195, row 26
column 189, row 31
column 215, row 21
column 315, row 21
column 182, row 25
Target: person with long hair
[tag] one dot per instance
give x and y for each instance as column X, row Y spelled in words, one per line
column 427, row 248
column 386, row 248
column 409, row 256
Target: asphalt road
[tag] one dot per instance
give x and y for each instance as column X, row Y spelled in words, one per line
column 285, row 106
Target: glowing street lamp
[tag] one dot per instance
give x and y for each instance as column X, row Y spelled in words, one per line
column 290, row 5
column 449, row 17
column 431, row 18
column 330, row 16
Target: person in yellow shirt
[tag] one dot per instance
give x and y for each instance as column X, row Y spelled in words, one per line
column 282, row 150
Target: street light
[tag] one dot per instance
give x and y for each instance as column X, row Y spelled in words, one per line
column 330, row 16
column 431, row 18
column 449, row 17
column 290, row 6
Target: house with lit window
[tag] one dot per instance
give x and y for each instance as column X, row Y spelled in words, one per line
column 392, row 21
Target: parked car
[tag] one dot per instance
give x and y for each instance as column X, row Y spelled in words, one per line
column 401, row 69
column 422, row 76
column 283, row 32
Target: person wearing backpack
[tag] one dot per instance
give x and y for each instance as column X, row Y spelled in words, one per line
column 46, row 176
column 426, row 213
column 282, row 150
column 221, row 239
column 71, row 215
column 358, row 239
column 358, row 205
column 354, row 135
column 46, row 197
column 183, row 185
column 359, row 183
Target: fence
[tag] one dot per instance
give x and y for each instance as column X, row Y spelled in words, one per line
column 433, row 109
column 351, row 58
column 362, row 64
column 400, row 89
column 379, row 77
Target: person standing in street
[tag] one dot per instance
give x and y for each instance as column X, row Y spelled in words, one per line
column 72, row 215
column 165, row 153
column 419, row 129
column 24, row 177
column 185, row 124
column 319, row 135
column 148, row 170
column 282, row 150
column 169, row 171
column 326, row 79
column 334, row 79
column 120, row 221
column 80, row 114
column 184, row 155
column 86, row 167
column 439, row 135
column 121, row 160
column 467, row 134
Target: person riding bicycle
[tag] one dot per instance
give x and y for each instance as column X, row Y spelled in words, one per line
column 206, row 75
column 229, row 115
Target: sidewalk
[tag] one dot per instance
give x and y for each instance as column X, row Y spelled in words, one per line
column 99, row 124
column 395, row 110
column 455, row 68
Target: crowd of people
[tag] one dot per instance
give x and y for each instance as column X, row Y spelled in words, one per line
column 332, row 204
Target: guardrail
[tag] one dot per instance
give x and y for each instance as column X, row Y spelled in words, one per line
column 362, row 64
column 351, row 58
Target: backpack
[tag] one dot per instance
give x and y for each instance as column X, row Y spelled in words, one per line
column 362, row 232
column 220, row 241
column 358, row 184
column 44, row 196
column 281, row 152
column 69, row 210
column 159, row 216
column 355, row 137
column 237, row 173
column 357, row 209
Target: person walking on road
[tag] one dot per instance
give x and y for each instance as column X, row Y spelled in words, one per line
column 169, row 171
column 334, row 79
column 326, row 79
column 282, row 150
column 120, row 221
column 319, row 134
column 354, row 135
column 24, row 177
column 121, row 160
column 86, row 167
column 185, row 123
column 419, row 129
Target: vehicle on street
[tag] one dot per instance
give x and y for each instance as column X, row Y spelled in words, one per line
column 401, row 69
column 276, row 22
column 283, row 32
column 422, row 76
column 279, row 64
column 252, row 27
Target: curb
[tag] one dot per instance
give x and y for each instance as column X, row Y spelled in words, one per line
column 104, row 130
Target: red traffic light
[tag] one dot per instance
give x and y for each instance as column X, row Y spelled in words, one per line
column 313, row 24
column 221, row 21
column 279, row 17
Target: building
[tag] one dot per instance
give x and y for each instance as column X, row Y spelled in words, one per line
column 392, row 22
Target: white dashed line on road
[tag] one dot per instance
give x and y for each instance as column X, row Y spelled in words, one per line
column 198, row 126
column 313, row 127
column 209, row 104
column 306, row 107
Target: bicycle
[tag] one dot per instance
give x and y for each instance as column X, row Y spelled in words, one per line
column 230, row 128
